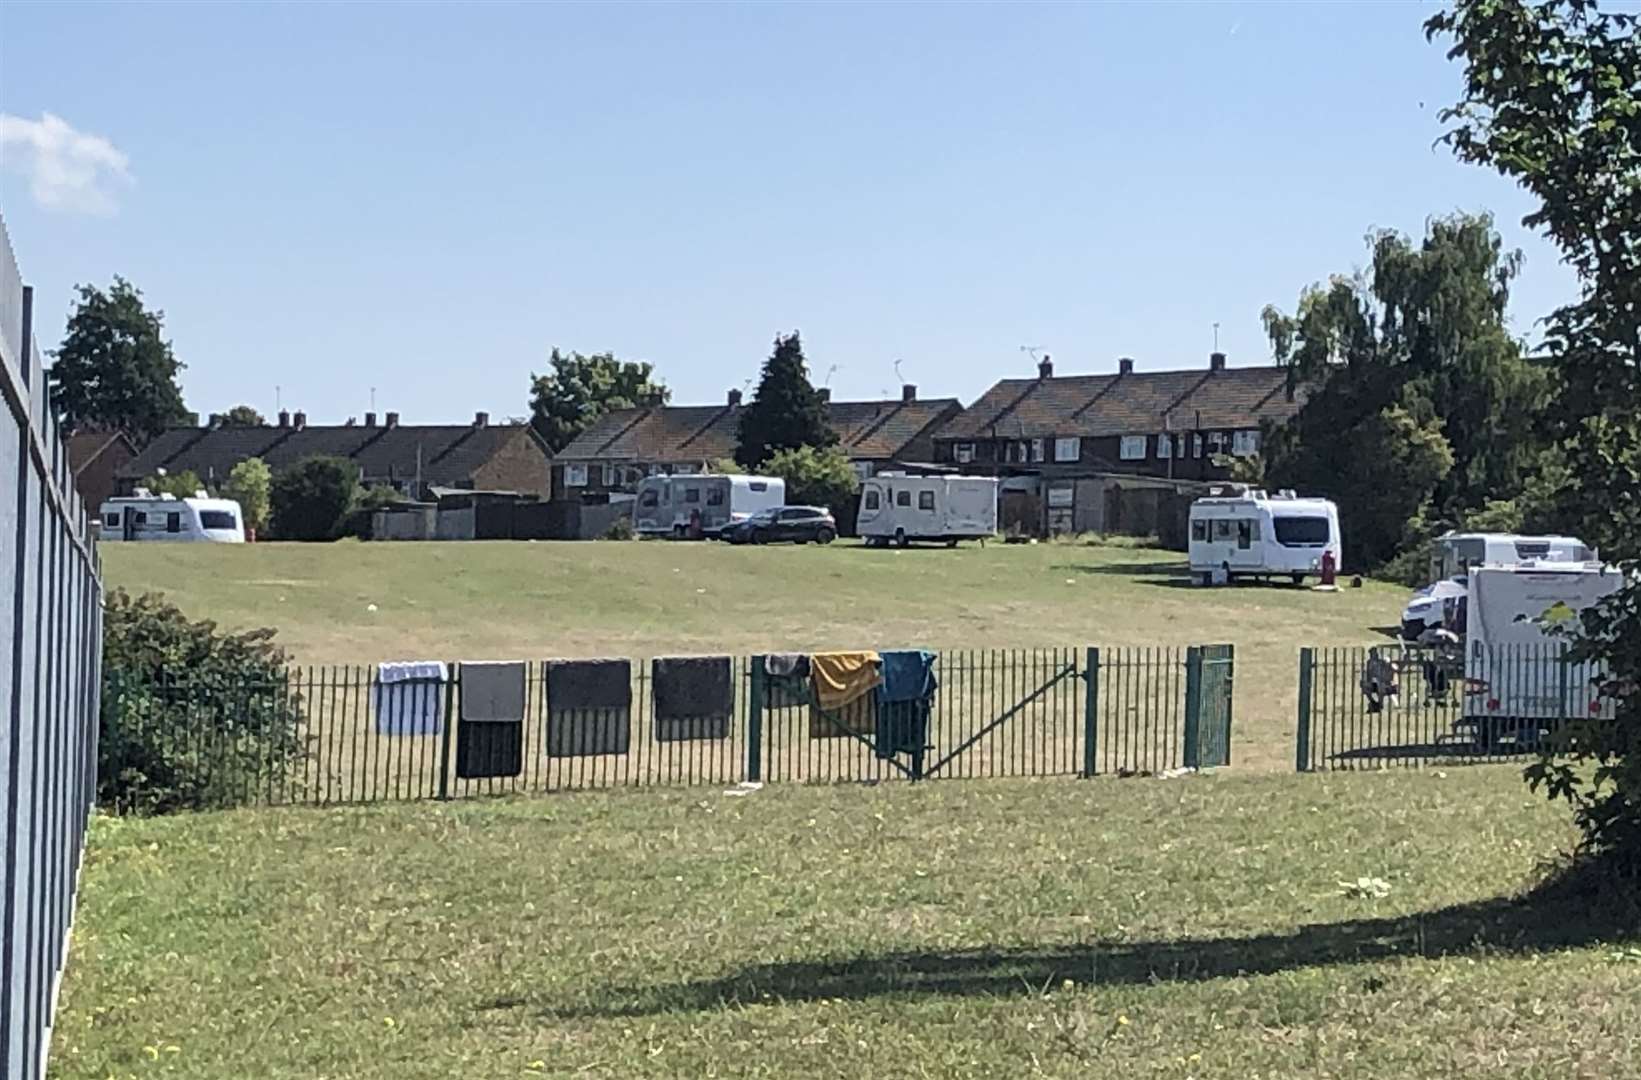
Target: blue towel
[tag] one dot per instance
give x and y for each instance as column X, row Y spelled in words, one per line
column 908, row 675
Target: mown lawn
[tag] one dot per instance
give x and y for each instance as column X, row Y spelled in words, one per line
column 530, row 601
column 1193, row 927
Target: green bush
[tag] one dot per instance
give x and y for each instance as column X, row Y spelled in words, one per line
column 192, row 718
column 620, row 529
column 311, row 499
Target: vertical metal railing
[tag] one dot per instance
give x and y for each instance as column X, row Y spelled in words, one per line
column 50, row 650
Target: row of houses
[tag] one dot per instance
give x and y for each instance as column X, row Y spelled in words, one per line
column 1071, row 451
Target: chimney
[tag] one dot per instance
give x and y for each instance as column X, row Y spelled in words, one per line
column 1045, row 367
column 370, row 419
column 1125, row 366
column 908, row 392
column 1216, row 361
column 825, row 394
column 481, row 419
column 284, row 418
column 300, row 420
column 215, row 421
column 392, row 419
column 734, row 399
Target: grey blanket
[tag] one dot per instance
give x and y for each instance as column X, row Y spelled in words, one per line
column 694, row 697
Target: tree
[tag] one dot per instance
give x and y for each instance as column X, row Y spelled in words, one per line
column 243, row 416
column 786, row 411
column 1552, row 99
column 1423, row 333
column 248, row 485
column 115, row 370
column 580, row 389
column 816, row 477
column 311, row 499
column 182, row 485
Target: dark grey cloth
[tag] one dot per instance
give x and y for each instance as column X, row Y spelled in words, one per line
column 787, row 665
column 589, row 707
column 492, row 692
column 694, row 697
column 589, row 684
column 786, row 684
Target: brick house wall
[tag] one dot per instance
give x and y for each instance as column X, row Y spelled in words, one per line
column 521, row 465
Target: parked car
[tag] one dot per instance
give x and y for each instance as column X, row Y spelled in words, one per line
column 784, row 524
column 1427, row 610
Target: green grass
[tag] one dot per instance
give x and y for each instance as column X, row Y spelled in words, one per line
column 1069, row 929
column 520, row 600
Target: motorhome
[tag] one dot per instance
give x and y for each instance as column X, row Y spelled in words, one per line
column 1515, row 623
column 145, row 516
column 899, row 509
column 701, row 505
column 1238, row 531
column 1453, row 554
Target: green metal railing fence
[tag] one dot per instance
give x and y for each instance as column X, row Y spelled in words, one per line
column 1397, row 705
column 317, row 736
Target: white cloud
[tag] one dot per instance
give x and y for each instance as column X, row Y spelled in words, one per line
column 66, row 169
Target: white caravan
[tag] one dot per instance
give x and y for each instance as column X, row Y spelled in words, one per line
column 1245, row 532
column 1453, row 554
column 677, row 505
column 165, row 517
column 1514, row 620
column 899, row 509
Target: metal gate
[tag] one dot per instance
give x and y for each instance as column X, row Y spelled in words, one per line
column 1209, row 674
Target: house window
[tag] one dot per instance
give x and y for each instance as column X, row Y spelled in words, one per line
column 1067, row 449
column 611, row 476
column 964, row 453
column 575, row 476
column 1216, row 442
column 1133, row 447
column 1165, row 446
column 1245, row 443
column 903, row 498
column 1199, row 531
column 863, row 470
column 1196, row 445
column 873, row 501
column 1037, row 449
column 925, row 500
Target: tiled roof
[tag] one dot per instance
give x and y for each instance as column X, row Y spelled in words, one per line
column 447, row 453
column 875, row 430
column 1126, row 404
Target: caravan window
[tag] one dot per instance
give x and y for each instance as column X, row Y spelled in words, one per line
column 925, row 500
column 872, row 500
column 1222, row 530
column 173, row 522
column 139, row 518
column 650, row 498
column 1199, row 531
column 715, row 497
column 759, row 485
column 111, row 520
column 1301, row 531
column 903, row 498
column 1245, row 534
column 1532, row 549
column 692, row 495
column 217, row 519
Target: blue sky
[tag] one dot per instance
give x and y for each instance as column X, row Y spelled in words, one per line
column 425, row 199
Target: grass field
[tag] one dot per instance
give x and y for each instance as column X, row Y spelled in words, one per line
column 1189, row 928
column 527, row 601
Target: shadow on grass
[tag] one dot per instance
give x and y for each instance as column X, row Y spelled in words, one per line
column 1151, row 569
column 1551, row 919
column 1457, row 752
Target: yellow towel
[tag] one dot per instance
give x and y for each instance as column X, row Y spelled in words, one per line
column 842, row 677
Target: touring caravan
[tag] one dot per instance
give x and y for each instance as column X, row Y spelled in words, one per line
column 899, row 509
column 1453, row 554
column 1514, row 622
column 144, row 516
column 1245, row 532
column 682, row 506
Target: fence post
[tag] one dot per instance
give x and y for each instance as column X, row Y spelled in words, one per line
column 755, row 722
column 1091, row 711
column 449, row 729
column 1307, row 667
column 1193, row 706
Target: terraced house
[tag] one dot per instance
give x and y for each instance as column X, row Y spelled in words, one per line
column 411, row 458
column 1117, row 452
column 623, row 447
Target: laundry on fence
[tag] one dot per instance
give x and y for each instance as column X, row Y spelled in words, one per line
column 589, row 707
column 490, row 739
column 694, row 697
column 904, row 702
column 844, row 683
column 408, row 697
column 786, row 682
